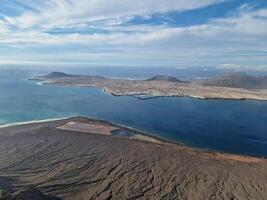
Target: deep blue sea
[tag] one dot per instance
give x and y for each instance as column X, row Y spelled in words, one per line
column 223, row 125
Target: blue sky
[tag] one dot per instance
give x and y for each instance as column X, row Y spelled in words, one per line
column 170, row 33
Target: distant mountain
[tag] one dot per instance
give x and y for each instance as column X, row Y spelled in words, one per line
column 165, row 78
column 57, row 75
column 237, row 80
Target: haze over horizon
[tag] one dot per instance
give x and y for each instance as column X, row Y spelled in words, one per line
column 226, row 34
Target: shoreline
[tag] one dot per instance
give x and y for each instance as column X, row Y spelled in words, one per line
column 150, row 96
column 165, row 141
column 72, row 165
column 32, row 122
column 141, row 132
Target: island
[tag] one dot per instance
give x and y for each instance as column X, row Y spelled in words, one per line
column 81, row 158
column 236, row 87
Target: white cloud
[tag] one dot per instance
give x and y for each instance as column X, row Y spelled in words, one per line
column 51, row 13
column 230, row 39
column 31, row 26
column 3, row 28
column 229, row 66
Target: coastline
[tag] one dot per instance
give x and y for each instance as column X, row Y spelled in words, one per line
column 162, row 141
column 53, row 160
column 151, row 95
column 140, row 132
column 32, row 122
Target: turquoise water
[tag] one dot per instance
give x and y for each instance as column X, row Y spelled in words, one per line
column 227, row 126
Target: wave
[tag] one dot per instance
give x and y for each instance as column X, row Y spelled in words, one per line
column 31, row 122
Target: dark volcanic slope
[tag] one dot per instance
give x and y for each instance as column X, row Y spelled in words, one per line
column 164, row 78
column 28, row 194
column 239, row 80
column 74, row 166
column 67, row 77
column 57, row 75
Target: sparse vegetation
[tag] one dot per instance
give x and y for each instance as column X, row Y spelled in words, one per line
column 2, row 193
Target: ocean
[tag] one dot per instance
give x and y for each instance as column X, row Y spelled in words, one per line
column 222, row 125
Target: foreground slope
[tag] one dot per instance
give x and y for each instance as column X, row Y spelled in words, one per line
column 63, row 159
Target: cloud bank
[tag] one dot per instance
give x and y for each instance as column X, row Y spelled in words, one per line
column 106, row 31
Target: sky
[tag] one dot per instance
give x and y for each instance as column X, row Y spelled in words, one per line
column 168, row 33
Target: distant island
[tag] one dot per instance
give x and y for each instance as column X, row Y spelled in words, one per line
column 238, row 86
column 81, row 158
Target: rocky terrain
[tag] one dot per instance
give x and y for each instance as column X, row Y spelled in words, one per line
column 155, row 87
column 27, row 194
column 47, row 161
